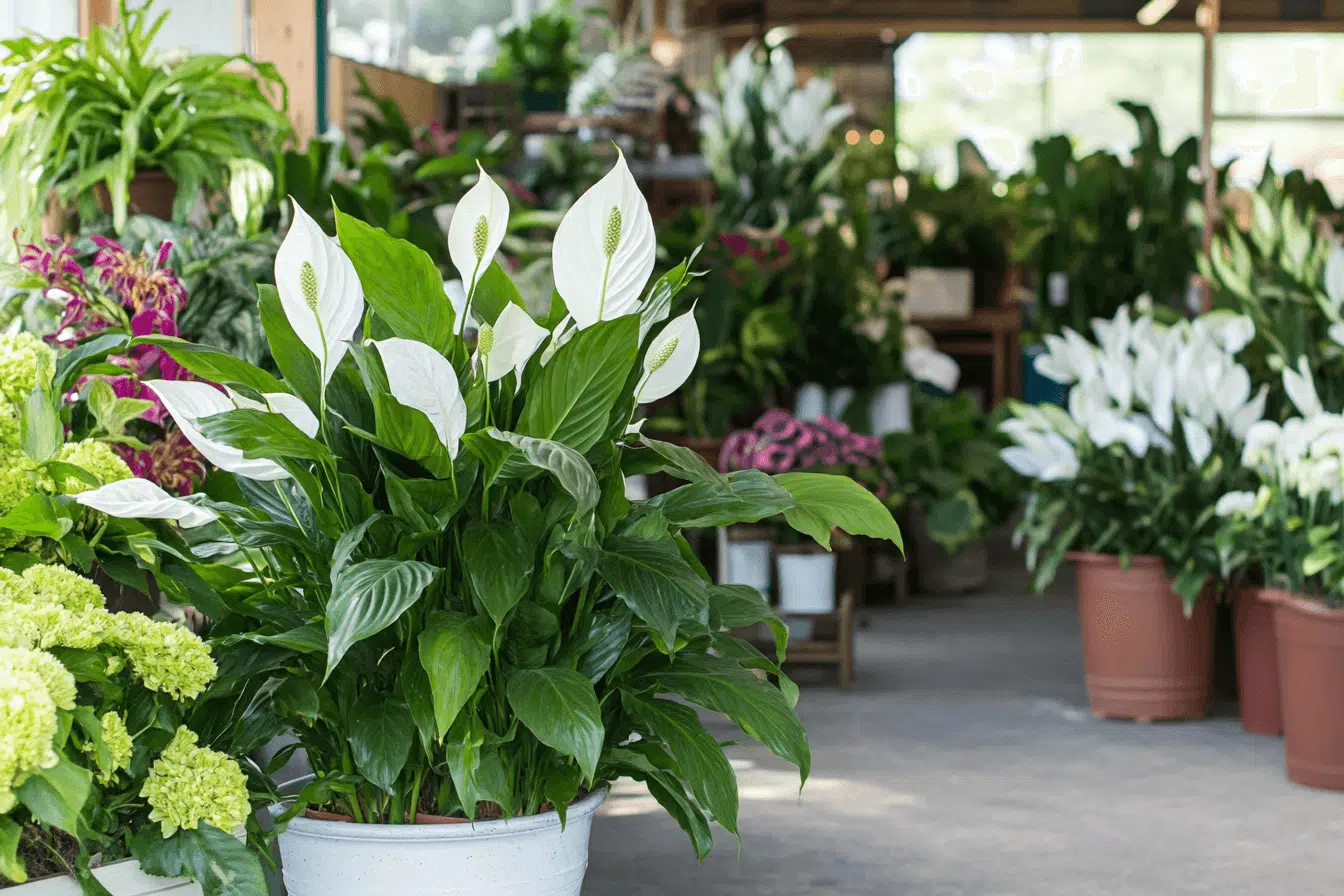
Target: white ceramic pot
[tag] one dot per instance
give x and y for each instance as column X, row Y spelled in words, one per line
column 889, row 409
column 637, row 487
column 839, row 402
column 807, row 583
column 512, row 857
column 811, row 402
column 122, row 878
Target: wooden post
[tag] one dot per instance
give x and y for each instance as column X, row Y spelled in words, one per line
column 96, row 12
column 1209, row 19
column 286, row 33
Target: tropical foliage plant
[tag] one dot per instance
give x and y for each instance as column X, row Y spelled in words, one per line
column 430, row 571
column 1151, row 440
column 948, row 464
column 87, row 113
column 541, row 54
column 96, row 761
column 1285, row 533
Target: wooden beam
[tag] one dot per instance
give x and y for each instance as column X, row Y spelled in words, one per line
column 1209, row 18
column 284, row 32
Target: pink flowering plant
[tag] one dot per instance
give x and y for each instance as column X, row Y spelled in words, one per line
column 781, row 443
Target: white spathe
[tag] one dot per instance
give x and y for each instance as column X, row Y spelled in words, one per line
column 1197, row 440
column 479, row 225
column 1109, row 428
column 670, row 359
column 1235, row 504
column 515, row 336
column 931, row 366
column 187, row 402
column 457, row 297
column 319, row 291
column 421, row 378
column 604, row 249
column 289, row 406
column 140, row 499
column 1334, row 277
column 1301, row 389
column 563, row 332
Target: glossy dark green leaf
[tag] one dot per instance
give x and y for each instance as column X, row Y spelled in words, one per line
column 560, row 707
column 669, row 792
column 221, row 863
column 381, row 734
column 11, row 868
column 455, row 652
column 684, row 463
column 699, row 758
column 755, row 496
column 656, row 583
column 296, row 363
column 368, row 597
column 263, row 434
column 499, row 562
column 55, row 796
column 214, row 364
column 738, row 606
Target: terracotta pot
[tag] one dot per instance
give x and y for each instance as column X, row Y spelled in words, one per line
column 1257, row 660
column 1143, row 658
column 1310, row 640
column 151, row 193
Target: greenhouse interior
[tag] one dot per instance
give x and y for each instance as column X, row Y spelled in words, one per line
column 672, row 447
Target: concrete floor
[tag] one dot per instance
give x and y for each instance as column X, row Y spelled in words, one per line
column 965, row 763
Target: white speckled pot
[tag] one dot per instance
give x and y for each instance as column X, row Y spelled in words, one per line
column 512, row 857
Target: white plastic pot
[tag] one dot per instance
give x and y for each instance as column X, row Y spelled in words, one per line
column 811, row 402
column 889, row 409
column 747, row 563
column 512, row 857
column 806, row 583
column 122, row 878
column 839, row 402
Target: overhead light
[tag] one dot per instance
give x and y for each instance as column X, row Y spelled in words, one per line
column 1155, row 11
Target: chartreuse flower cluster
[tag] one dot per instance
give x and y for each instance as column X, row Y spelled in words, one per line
column 25, row 361
column 33, row 686
column 189, row 784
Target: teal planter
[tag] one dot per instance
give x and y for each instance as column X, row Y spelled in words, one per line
column 1038, row 388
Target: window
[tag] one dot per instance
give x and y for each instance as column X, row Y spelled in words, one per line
column 435, row 40
column 49, row 18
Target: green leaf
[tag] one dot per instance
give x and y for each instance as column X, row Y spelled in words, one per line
column 954, row 521
column 700, row 760
column 561, row 785
column 478, row 769
column 825, row 502
column 401, row 283
column 37, row 516
column 754, row 497
column 560, row 707
column 455, row 652
column 656, row 583
column 603, row 641
column 57, row 795
column 11, row 868
column 493, row 291
column 263, row 434
column 70, row 367
column 721, row 685
column 381, row 734
column 568, row 466
column 220, row 862
column 738, row 606
column 573, row 396
column 668, row 791
column 214, row 364
column 158, row 855
column 499, row 563
column 40, row 426
column 686, row 464
column 368, row 597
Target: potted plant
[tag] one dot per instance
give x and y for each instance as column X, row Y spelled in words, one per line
column 1124, row 483
column 780, row 443
column 430, row 572
column 109, row 121
column 541, row 56
column 957, row 488
column 1287, row 530
column 103, row 783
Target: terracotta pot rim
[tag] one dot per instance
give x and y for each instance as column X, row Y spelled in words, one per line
column 1306, row 605
column 1261, row 593
column 1140, row 560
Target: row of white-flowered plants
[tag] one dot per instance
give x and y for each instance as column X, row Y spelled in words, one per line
column 418, row 557
column 1167, row 487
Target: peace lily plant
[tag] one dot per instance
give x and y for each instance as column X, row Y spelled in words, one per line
column 1152, row 437
column 1287, row 531
column 428, row 568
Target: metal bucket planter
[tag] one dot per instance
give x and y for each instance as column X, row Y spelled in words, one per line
column 528, row 856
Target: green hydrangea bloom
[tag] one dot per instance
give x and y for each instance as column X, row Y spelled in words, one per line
column 13, row 589
column 16, row 483
column 62, row 587
column 45, row 627
column 25, row 361
column 168, row 658
column 59, row 682
column 118, row 742
column 188, row 785
column 11, row 443
column 27, row 729
column 98, row 458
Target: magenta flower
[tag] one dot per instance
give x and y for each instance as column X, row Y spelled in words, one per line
column 53, row 260
column 833, row 427
column 776, row 458
column 777, row 424
column 171, row 462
